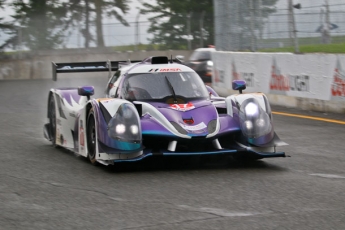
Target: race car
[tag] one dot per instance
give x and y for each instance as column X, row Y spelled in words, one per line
column 201, row 62
column 157, row 107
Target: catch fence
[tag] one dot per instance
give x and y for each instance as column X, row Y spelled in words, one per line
column 254, row 25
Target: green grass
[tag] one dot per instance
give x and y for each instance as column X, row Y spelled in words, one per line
column 315, row 48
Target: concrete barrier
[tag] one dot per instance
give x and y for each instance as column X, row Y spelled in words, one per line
column 306, row 81
column 37, row 65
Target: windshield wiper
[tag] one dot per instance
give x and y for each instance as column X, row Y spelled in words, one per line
column 172, row 89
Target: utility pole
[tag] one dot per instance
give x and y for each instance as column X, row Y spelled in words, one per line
column 137, row 31
column 292, row 30
column 189, row 15
column 202, row 29
column 252, row 43
column 260, row 19
column 328, row 24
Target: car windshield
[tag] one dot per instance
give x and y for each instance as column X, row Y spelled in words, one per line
column 200, row 55
column 157, row 86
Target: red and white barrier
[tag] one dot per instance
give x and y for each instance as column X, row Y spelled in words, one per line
column 308, row 81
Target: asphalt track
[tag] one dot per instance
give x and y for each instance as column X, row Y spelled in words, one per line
column 42, row 187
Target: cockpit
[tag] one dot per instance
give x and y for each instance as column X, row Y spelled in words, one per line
column 164, row 86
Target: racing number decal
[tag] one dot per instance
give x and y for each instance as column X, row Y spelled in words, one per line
column 182, row 107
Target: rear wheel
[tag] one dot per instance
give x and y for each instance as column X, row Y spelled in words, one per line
column 91, row 137
column 52, row 120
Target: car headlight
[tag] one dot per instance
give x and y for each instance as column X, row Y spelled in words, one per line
column 254, row 121
column 209, row 65
column 120, row 128
column 251, row 109
column 125, row 124
column 134, row 129
column 248, row 125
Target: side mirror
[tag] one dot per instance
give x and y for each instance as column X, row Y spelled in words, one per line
column 86, row 91
column 239, row 85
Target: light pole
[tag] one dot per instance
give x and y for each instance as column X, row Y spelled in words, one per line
column 137, row 35
column 189, row 15
column 292, row 30
column 202, row 29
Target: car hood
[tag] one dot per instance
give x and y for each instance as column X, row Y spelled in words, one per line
column 196, row 118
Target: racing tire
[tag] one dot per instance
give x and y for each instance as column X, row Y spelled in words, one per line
column 91, row 137
column 52, row 120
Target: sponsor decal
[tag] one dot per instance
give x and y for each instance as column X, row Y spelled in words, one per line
column 338, row 86
column 81, row 67
column 197, row 127
column 235, row 75
column 188, row 121
column 72, row 114
column 299, row 83
column 81, row 135
column 283, row 83
column 247, row 76
column 182, row 107
column 278, row 81
column 170, row 70
column 219, row 76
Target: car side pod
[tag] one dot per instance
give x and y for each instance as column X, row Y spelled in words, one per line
column 239, row 85
column 86, row 91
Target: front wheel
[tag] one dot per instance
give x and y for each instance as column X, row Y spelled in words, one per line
column 52, row 120
column 91, row 137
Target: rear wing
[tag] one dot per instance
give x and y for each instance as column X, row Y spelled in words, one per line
column 78, row 67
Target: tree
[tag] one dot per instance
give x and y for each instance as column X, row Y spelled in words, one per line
column 176, row 24
column 7, row 28
column 238, row 22
column 38, row 23
column 110, row 8
column 92, row 12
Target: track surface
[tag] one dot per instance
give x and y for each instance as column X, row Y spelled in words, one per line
column 46, row 188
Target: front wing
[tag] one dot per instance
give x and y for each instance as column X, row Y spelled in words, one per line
column 239, row 151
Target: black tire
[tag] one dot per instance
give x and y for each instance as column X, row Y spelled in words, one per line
column 91, row 137
column 52, row 120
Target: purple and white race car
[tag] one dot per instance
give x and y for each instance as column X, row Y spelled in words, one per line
column 161, row 107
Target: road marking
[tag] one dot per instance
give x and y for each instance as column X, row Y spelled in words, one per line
column 310, row 117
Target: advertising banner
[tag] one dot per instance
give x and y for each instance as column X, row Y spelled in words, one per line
column 315, row 76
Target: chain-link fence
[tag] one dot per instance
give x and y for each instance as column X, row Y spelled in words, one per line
column 238, row 25
column 114, row 34
column 255, row 24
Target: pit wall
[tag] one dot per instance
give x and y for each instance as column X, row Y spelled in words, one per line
column 39, row 65
column 306, row 81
